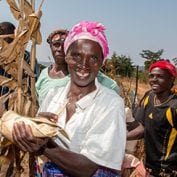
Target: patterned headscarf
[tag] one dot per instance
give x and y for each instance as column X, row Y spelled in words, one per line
column 55, row 35
column 165, row 65
column 88, row 30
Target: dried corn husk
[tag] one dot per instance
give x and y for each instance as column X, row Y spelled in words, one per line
column 10, row 83
column 16, row 10
column 21, row 95
column 40, row 126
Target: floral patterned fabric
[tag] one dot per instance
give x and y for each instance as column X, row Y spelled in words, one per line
column 51, row 170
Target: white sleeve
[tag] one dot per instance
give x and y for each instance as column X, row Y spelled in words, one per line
column 105, row 141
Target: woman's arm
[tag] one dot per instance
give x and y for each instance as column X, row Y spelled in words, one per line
column 136, row 133
column 70, row 162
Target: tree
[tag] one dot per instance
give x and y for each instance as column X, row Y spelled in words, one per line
column 114, row 61
column 175, row 61
column 151, row 57
column 122, row 65
column 109, row 66
column 108, row 69
column 125, row 66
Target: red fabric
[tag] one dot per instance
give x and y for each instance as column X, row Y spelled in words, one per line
column 140, row 171
column 166, row 66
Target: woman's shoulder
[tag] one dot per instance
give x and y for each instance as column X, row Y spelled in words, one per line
column 110, row 96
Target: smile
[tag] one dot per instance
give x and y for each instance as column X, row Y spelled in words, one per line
column 82, row 75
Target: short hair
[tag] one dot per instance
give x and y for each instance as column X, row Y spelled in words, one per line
column 58, row 31
column 7, row 28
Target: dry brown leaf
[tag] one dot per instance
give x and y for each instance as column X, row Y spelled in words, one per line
column 15, row 50
column 37, row 36
column 8, row 82
column 4, row 165
column 12, row 100
column 28, row 8
column 3, row 44
column 28, row 69
column 34, row 25
column 27, row 106
column 14, row 9
column 12, row 69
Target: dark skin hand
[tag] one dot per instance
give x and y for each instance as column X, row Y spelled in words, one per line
column 136, row 133
column 23, row 136
column 49, row 115
column 24, row 139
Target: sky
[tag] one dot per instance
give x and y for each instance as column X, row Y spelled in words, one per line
column 131, row 25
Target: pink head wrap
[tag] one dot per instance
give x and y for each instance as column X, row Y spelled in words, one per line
column 166, row 65
column 88, row 30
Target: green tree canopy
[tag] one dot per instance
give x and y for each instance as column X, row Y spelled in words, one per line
column 151, row 57
column 123, row 65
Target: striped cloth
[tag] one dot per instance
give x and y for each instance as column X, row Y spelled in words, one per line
column 52, row 170
column 37, row 171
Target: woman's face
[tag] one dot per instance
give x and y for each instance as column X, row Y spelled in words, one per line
column 160, row 80
column 57, row 48
column 84, row 59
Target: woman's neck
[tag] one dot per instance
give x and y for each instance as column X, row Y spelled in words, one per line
column 58, row 71
column 61, row 67
column 162, row 97
column 79, row 92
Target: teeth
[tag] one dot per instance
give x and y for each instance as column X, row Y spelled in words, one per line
column 155, row 86
column 82, row 74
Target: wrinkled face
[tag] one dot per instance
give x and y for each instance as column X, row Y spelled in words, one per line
column 160, row 80
column 84, row 58
column 57, row 48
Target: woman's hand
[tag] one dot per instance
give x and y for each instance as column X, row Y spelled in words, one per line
column 24, row 139
column 48, row 115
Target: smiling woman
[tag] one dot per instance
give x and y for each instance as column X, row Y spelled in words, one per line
column 84, row 114
column 157, row 118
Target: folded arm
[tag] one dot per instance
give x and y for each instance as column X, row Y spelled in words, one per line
column 70, row 162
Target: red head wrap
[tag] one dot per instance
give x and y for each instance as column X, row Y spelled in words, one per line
column 165, row 65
